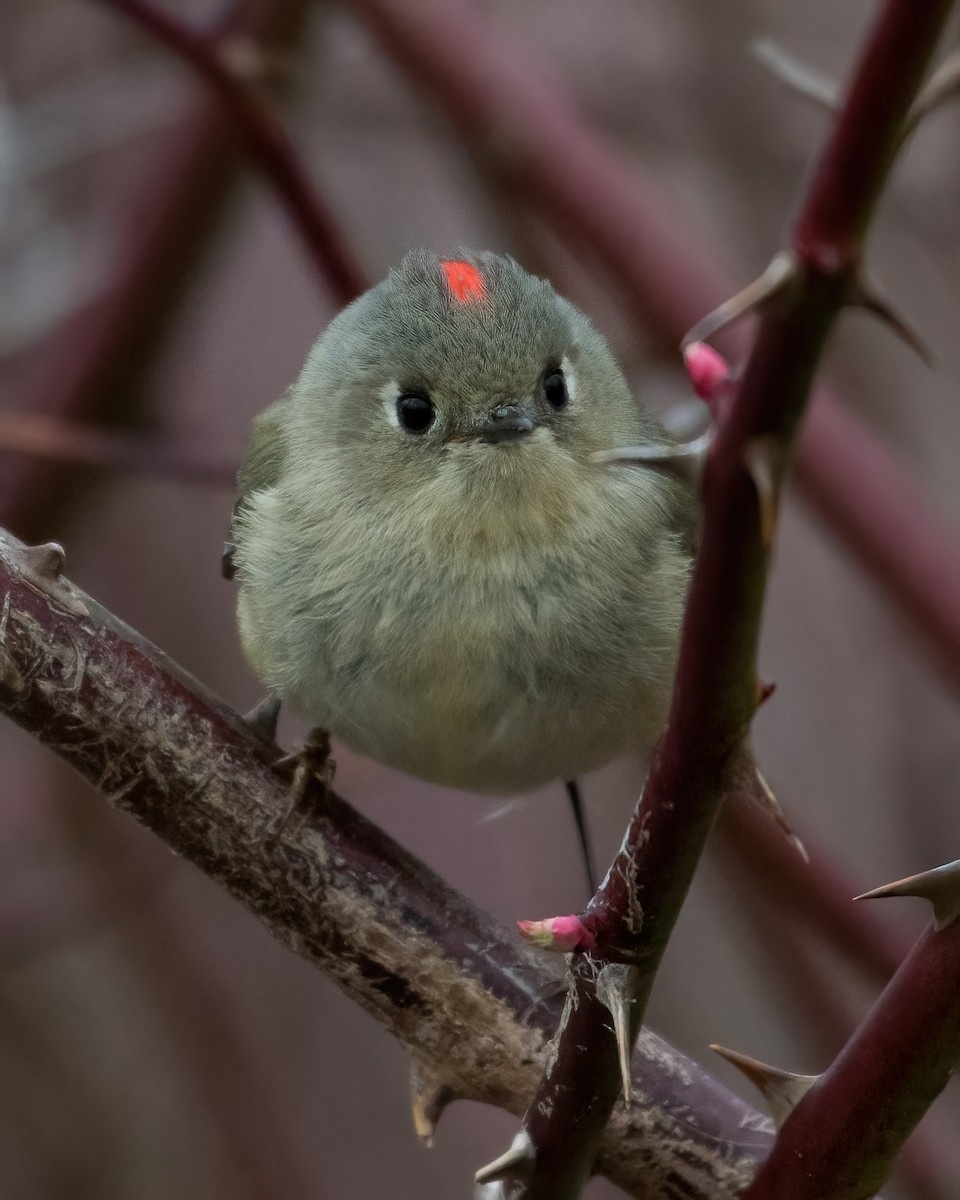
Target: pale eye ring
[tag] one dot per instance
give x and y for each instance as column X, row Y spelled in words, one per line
column 555, row 388
column 415, row 412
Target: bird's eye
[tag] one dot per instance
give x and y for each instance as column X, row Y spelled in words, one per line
column 415, row 412
column 555, row 388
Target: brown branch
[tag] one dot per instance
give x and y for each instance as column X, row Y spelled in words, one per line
column 849, row 1128
column 266, row 142
column 702, row 752
column 67, row 441
column 465, row 997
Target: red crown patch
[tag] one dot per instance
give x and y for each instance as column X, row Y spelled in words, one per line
column 464, row 281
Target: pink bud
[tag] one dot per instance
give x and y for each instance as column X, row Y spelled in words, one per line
column 562, row 934
column 708, row 370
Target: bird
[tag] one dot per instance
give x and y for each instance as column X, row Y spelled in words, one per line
column 440, row 561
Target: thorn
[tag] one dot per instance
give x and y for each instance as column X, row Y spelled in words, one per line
column 767, row 799
column 429, row 1098
column 615, row 990
column 42, row 566
column 942, row 86
column 656, row 454
column 517, row 1163
column 869, row 297
column 764, row 691
column 263, row 717
column 708, row 370
column 797, row 76
column 780, row 272
column 782, row 1090
column 560, row 934
column 941, row 887
column 46, row 561
column 763, row 458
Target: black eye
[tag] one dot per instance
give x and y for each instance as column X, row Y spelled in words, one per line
column 415, row 412
column 555, row 388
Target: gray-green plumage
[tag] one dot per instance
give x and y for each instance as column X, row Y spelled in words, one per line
column 487, row 611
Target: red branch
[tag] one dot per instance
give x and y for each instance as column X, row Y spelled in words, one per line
column 266, row 142
column 700, row 756
column 849, row 1128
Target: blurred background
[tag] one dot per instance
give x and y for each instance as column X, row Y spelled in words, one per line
column 154, row 1041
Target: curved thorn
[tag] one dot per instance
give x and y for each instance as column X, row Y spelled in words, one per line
column 940, row 886
column 616, row 992
column 42, row 566
column 782, row 1090
column 763, row 458
column 768, row 800
column 657, row 454
column 46, row 561
column 868, row 297
column 797, row 76
column 942, row 86
column 780, row 272
column 429, row 1099
column 516, row 1163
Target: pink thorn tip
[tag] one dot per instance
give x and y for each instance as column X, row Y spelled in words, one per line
column 708, row 370
column 561, row 934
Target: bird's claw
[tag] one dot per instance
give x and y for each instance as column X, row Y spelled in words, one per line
column 311, row 761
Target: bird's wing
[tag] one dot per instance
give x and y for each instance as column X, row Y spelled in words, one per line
column 261, row 467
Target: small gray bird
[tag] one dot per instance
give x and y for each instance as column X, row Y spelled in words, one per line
column 434, row 564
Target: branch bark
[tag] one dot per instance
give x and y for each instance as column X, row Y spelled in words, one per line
column 468, row 1000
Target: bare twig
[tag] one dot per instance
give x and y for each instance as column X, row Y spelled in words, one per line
column 265, row 139
column 102, row 351
column 66, row 441
column 464, row 996
column 702, row 751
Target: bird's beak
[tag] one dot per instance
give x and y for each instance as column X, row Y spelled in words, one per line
column 507, row 423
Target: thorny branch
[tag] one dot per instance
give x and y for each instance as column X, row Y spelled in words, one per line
column 472, row 1005
column 882, row 1082
column 702, row 752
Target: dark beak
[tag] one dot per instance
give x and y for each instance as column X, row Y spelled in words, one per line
column 507, row 423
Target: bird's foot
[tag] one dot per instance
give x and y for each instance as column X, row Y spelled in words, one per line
column 311, row 761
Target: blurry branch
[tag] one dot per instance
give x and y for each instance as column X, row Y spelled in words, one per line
column 855, row 484
column 224, row 64
column 815, row 894
column 68, row 441
column 536, row 144
column 704, row 753
column 472, row 1005
column 102, row 351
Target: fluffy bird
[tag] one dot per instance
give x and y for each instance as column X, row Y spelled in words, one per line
column 435, row 564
